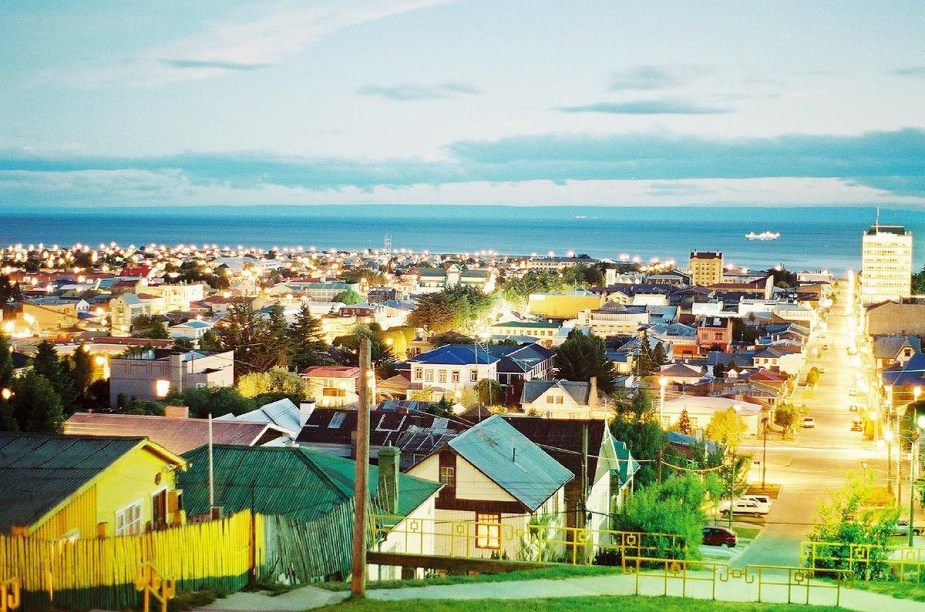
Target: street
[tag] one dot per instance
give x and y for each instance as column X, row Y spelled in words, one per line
column 816, row 461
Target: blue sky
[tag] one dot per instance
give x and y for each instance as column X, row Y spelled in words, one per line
column 429, row 101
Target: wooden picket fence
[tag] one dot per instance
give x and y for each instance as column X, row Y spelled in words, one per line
column 100, row 573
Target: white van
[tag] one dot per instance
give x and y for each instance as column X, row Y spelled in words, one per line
column 763, row 500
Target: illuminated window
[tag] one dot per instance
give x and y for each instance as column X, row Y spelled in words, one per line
column 487, row 531
column 128, row 520
column 448, row 476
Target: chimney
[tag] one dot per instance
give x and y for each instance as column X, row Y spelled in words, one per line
column 592, row 394
column 176, row 412
column 306, row 409
column 387, row 486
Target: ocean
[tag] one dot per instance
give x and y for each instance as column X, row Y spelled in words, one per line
column 810, row 238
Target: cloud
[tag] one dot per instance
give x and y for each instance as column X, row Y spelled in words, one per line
column 183, row 64
column 417, row 91
column 888, row 162
column 646, row 107
column 911, row 71
column 645, row 78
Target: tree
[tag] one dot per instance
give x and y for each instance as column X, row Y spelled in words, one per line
column 210, row 341
column 812, row 377
column 727, row 428
column 674, row 506
column 452, row 309
column 277, row 380
column 684, row 423
column 251, row 337
column 348, row 297
column 81, row 372
column 6, row 363
column 35, row 405
column 918, row 283
column 215, row 400
column 145, row 326
column 9, row 292
column 489, row 391
column 719, row 370
column 306, row 340
column 47, row 364
column 582, row 357
column 646, row 441
column 851, row 516
column 647, row 362
column 786, row 416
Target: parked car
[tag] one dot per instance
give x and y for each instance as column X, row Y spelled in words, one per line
column 856, row 424
column 759, row 499
column 809, row 422
column 745, row 506
column 902, row 529
column 714, row 535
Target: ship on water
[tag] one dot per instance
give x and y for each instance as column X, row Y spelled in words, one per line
column 762, row 236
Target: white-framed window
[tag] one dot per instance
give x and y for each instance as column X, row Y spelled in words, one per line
column 429, row 376
column 418, row 373
column 441, row 376
column 487, row 531
column 448, row 476
column 455, row 377
column 474, row 376
column 128, row 519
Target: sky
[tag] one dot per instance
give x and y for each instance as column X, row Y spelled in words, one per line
column 536, row 102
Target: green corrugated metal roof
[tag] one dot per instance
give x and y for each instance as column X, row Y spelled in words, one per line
column 38, row 471
column 290, row 481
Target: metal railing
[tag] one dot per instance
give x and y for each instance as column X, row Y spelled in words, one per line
column 760, row 583
column 527, row 542
column 867, row 561
column 10, row 594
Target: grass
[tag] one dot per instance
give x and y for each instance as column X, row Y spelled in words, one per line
column 552, row 573
column 899, row 590
column 747, row 533
column 190, row 600
column 605, row 603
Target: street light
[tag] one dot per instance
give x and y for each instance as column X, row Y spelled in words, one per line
column 662, row 383
column 888, row 436
column 919, row 424
column 6, row 394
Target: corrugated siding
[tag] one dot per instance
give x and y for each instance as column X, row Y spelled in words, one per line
column 79, row 514
column 100, row 573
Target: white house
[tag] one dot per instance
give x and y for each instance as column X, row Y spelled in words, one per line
column 452, row 367
column 701, row 409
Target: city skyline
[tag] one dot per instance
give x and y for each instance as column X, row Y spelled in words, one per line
column 422, row 101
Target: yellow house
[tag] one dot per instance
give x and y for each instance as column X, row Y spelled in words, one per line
column 563, row 306
column 69, row 487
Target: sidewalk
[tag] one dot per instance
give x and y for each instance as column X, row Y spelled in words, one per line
column 650, row 585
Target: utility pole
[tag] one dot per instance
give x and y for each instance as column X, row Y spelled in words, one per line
column 360, row 490
column 582, row 522
column 764, row 456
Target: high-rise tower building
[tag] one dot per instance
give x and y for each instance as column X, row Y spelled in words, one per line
column 886, row 263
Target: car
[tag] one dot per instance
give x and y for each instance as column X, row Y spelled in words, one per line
column 901, row 528
column 745, row 506
column 825, row 347
column 856, row 424
column 809, row 423
column 713, row 535
column 759, row 499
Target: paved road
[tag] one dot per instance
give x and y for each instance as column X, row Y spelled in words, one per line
column 816, row 461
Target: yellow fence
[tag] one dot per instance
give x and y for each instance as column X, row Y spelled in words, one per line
column 867, row 561
column 524, row 542
column 101, row 572
column 9, row 594
column 716, row 580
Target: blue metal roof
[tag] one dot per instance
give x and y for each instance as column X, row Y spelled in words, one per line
column 512, row 461
column 456, row 354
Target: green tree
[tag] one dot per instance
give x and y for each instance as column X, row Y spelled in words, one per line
column 81, row 372
column 674, row 506
column 6, row 363
column 684, row 423
column 277, row 380
column 733, row 475
column 210, row 341
column 47, row 363
column 719, row 370
column 453, row 309
column 785, row 416
column 35, row 405
column 812, row 377
column 250, row 335
column 489, row 391
column 583, row 356
column 646, row 441
column 9, row 292
column 348, row 297
column 918, row 283
column 306, row 340
column 850, row 516
column 217, row 400
column 145, row 326
column 727, row 428
column 145, row 407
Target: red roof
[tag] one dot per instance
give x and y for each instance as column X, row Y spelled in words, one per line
column 331, row 372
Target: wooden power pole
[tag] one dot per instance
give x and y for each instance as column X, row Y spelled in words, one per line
column 360, row 491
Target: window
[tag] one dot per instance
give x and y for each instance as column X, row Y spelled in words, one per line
column 455, row 376
column 128, row 520
column 550, row 399
column 418, row 373
column 473, row 376
column 559, row 399
column 441, row 376
column 337, row 420
column 487, row 531
column 448, row 476
column 429, row 376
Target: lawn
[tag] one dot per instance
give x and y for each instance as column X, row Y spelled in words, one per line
column 607, row 603
column 899, row 590
column 552, row 573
